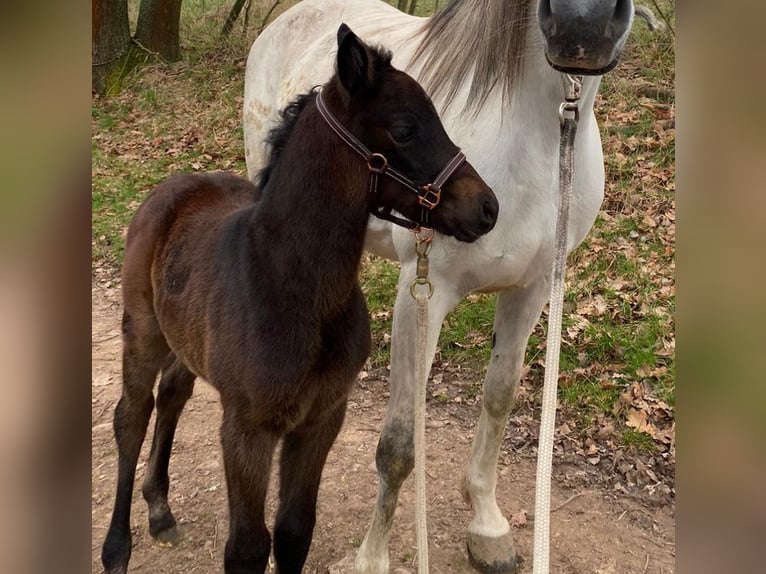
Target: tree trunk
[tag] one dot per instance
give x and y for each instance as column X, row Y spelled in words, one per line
column 402, row 5
column 232, row 17
column 158, row 28
column 413, row 5
column 111, row 43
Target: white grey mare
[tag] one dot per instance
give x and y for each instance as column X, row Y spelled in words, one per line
column 488, row 66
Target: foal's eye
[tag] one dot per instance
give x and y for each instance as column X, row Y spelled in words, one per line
column 402, row 132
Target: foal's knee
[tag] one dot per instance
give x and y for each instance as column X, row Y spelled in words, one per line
column 395, row 456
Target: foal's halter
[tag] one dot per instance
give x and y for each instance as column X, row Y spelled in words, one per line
column 429, row 195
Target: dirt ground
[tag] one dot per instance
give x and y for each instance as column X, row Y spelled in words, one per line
column 597, row 528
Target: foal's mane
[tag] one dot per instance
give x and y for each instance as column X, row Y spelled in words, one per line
column 481, row 41
column 278, row 136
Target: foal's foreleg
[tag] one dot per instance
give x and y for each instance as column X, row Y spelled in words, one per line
column 247, row 454
column 176, row 386
column 490, row 544
column 304, row 452
column 395, row 454
column 143, row 352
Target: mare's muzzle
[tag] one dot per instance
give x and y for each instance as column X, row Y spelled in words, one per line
column 584, row 37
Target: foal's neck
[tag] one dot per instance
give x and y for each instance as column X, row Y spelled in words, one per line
column 312, row 217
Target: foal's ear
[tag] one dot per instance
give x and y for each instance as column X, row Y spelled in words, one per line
column 356, row 62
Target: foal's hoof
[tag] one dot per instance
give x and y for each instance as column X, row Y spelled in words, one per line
column 162, row 526
column 167, row 538
column 492, row 555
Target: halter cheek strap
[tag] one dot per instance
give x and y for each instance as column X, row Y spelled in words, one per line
column 429, row 195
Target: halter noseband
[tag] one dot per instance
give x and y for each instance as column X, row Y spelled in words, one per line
column 429, row 195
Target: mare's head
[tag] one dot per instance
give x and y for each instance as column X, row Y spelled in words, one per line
column 390, row 114
column 584, row 36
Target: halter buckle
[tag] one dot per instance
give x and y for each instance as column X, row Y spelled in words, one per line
column 377, row 163
column 429, row 196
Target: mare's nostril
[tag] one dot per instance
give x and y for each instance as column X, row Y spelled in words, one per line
column 623, row 10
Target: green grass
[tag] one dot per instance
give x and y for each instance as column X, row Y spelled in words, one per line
column 638, row 440
column 466, row 336
column 186, row 117
column 378, row 280
column 466, row 333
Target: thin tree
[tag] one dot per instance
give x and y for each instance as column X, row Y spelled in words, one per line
column 232, row 17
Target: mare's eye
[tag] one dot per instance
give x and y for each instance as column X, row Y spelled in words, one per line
column 402, row 132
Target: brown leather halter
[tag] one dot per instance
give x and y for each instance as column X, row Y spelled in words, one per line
column 429, row 195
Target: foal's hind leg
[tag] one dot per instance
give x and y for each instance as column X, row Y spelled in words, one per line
column 176, row 386
column 144, row 349
column 304, row 452
column 490, row 545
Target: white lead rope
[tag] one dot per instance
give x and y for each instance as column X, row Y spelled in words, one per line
column 568, row 114
column 421, row 527
column 421, row 290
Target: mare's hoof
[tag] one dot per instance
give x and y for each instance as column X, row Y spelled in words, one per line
column 167, row 538
column 347, row 565
column 343, row 566
column 492, row 555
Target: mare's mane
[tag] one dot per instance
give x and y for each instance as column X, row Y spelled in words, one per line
column 480, row 42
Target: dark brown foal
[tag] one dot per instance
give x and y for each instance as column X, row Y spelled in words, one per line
column 257, row 293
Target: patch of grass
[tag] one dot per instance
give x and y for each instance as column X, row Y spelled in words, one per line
column 638, row 440
column 423, row 7
column 378, row 279
column 590, row 393
column 473, row 390
column 466, row 336
column 149, row 99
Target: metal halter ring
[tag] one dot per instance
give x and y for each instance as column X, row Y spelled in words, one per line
column 431, row 196
column 421, row 281
column 377, row 158
column 569, row 108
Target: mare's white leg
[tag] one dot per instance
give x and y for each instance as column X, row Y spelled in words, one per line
column 395, row 454
column 490, row 544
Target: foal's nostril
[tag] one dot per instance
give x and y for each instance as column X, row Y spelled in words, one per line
column 489, row 211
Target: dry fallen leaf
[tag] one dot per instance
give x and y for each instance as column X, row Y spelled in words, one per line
column 519, row 519
column 637, row 420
